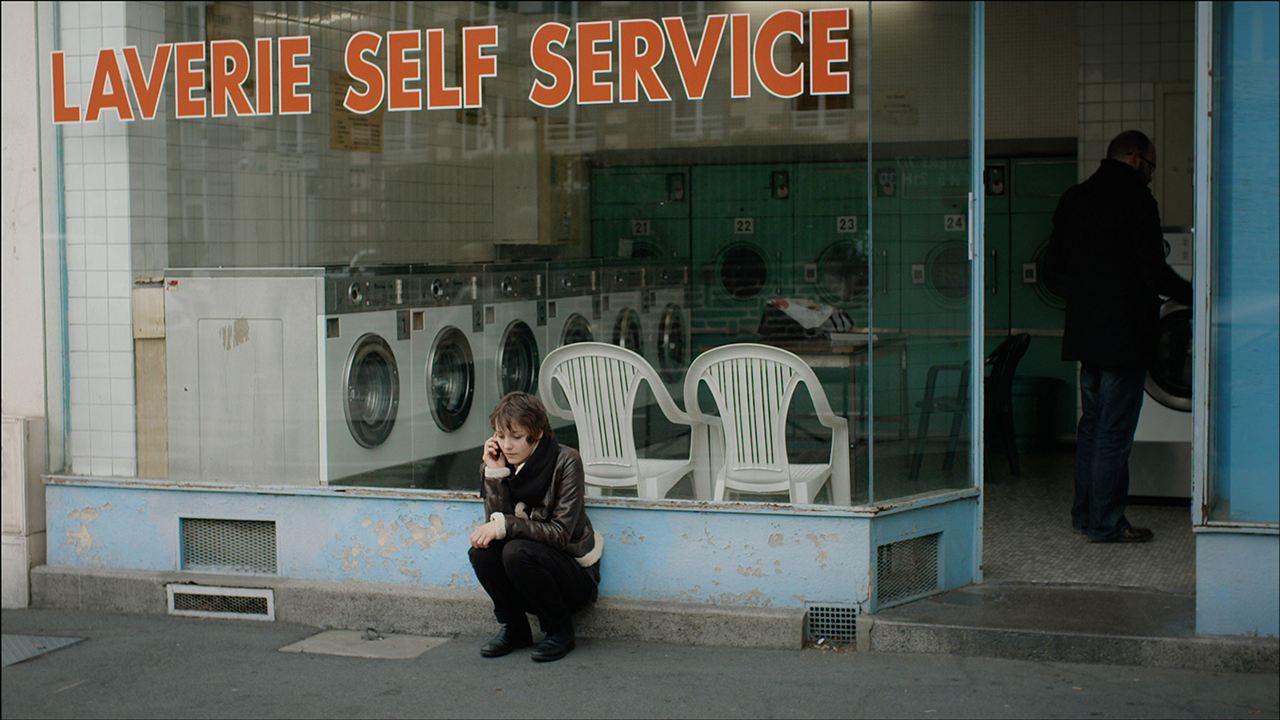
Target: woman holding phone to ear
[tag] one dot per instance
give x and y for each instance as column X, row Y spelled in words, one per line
column 538, row 552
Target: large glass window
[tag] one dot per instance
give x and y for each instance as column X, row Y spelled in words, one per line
column 304, row 296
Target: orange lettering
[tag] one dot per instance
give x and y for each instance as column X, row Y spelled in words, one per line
column 229, row 68
column 783, row 22
column 439, row 95
column 187, row 79
column 695, row 71
column 146, row 89
column 824, row 51
column 262, row 75
column 62, row 113
column 117, row 98
column 740, row 58
column 549, row 63
column 292, row 75
column 360, row 68
column 592, row 61
column 476, row 66
column 635, row 66
column 401, row 70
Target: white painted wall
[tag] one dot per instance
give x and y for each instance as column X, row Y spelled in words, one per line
column 22, row 320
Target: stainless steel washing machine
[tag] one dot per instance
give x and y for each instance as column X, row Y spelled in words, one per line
column 1160, row 462
column 573, row 306
column 620, row 304
column 367, row 357
column 448, row 338
column 666, row 322
column 515, row 319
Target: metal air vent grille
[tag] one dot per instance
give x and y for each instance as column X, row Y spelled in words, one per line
column 221, row 602
column 906, row 570
column 831, row 623
column 238, row 546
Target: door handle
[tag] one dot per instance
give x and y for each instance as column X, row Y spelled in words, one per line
column 884, row 272
column 995, row 273
column 969, row 223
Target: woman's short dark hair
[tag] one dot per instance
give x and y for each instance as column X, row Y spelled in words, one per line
column 520, row 409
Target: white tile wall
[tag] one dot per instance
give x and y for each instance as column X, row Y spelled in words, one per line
column 1129, row 53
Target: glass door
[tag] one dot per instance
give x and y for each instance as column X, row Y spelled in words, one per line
column 929, row 270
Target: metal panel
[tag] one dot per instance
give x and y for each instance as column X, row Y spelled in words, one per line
column 906, row 570
column 237, row 546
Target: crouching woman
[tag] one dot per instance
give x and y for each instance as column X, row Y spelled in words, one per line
column 537, row 553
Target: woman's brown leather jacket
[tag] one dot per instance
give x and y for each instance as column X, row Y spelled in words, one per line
column 560, row 520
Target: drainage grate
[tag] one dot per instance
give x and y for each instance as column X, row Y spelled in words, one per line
column 242, row 546
column 906, row 570
column 835, row 624
column 202, row 601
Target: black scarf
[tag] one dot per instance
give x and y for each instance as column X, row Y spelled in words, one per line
column 529, row 486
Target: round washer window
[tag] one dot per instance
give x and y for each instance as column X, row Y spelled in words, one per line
column 451, row 379
column 518, row 359
column 576, row 329
column 626, row 330
column 744, row 271
column 842, row 273
column 372, row 391
column 1047, row 296
column 671, row 343
column 947, row 271
column 1169, row 380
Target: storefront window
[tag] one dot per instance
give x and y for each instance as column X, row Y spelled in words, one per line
column 1243, row 422
column 270, row 293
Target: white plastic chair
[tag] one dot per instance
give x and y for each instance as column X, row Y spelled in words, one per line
column 752, row 386
column 600, row 382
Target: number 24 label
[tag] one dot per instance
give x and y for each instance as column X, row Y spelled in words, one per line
column 954, row 222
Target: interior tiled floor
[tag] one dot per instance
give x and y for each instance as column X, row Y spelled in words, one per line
column 1028, row 537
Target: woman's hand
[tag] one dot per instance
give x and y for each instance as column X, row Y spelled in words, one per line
column 485, row 534
column 492, row 454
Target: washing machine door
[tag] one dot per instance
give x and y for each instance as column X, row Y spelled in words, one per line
column 743, row 270
column 1047, row 296
column 947, row 272
column 576, row 329
column 627, row 331
column 372, row 390
column 843, row 275
column 518, row 359
column 672, row 351
column 1169, row 379
column 451, row 379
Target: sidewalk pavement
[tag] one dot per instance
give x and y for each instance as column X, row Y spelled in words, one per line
column 145, row 666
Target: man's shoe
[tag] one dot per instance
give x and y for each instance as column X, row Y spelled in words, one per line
column 555, row 645
column 507, row 639
column 1129, row 535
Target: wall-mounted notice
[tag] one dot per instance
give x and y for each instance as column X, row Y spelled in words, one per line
column 347, row 130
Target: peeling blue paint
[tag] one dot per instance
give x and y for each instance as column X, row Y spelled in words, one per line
column 715, row 557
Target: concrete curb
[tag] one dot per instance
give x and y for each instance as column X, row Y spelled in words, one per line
column 395, row 609
column 1211, row 654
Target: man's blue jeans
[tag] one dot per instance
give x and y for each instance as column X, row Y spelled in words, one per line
column 1111, row 400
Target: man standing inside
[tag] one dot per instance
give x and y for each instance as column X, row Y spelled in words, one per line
column 1107, row 257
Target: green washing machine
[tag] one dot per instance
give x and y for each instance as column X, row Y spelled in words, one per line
column 742, row 247
column 847, row 255
column 1037, row 185
column 935, row 245
column 640, row 212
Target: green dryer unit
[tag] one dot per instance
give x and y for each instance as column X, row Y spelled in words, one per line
column 935, row 245
column 1037, row 185
column 742, row 246
column 640, row 212
column 851, row 259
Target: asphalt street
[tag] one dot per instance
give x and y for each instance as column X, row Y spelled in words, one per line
column 132, row 666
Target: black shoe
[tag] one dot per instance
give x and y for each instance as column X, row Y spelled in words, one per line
column 1129, row 535
column 507, row 639
column 555, row 645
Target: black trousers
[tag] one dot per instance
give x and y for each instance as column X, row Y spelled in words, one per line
column 523, row 576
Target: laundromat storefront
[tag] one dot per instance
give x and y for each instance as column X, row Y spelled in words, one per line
column 285, row 330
